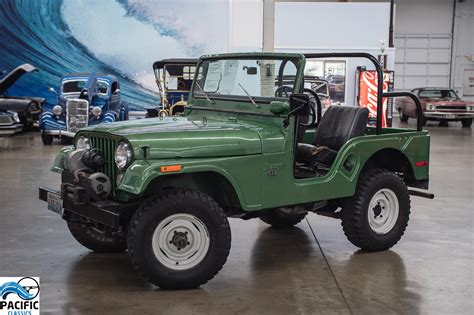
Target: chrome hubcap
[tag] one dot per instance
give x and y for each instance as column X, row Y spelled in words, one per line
column 383, row 211
column 180, row 241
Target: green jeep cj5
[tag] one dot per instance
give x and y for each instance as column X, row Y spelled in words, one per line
column 251, row 144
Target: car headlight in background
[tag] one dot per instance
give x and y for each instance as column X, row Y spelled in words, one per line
column 15, row 117
column 96, row 111
column 123, row 155
column 430, row 107
column 83, row 143
column 57, row 110
column 470, row 107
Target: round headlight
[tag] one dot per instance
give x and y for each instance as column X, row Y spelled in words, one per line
column 83, row 143
column 430, row 107
column 57, row 110
column 96, row 111
column 470, row 107
column 123, row 155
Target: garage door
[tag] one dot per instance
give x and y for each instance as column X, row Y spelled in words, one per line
column 422, row 60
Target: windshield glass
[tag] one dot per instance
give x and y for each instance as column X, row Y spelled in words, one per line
column 442, row 94
column 237, row 77
column 102, row 87
column 74, row 86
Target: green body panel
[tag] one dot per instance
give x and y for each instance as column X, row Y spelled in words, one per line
column 250, row 148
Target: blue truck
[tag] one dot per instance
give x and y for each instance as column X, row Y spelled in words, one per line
column 84, row 99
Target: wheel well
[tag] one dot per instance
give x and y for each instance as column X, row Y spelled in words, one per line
column 213, row 184
column 392, row 160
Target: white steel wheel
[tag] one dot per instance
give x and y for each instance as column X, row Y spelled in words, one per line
column 180, row 241
column 383, row 211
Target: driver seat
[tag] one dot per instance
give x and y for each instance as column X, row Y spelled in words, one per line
column 337, row 126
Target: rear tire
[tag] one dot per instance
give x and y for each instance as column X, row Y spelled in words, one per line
column 179, row 240
column 280, row 219
column 466, row 122
column 47, row 139
column 96, row 238
column 376, row 217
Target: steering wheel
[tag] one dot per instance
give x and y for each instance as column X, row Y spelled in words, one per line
column 284, row 89
column 314, row 95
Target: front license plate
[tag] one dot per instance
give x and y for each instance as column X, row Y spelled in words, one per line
column 450, row 116
column 55, row 203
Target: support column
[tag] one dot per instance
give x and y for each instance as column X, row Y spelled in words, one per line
column 268, row 25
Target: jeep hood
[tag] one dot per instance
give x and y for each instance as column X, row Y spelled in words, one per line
column 9, row 79
column 185, row 137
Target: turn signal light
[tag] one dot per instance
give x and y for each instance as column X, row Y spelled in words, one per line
column 421, row 163
column 170, row 168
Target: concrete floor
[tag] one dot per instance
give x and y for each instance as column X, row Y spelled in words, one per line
column 268, row 272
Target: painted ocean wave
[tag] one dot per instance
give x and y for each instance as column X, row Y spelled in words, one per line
column 35, row 32
column 14, row 288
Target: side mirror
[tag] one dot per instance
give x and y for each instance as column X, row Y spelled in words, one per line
column 250, row 70
column 52, row 90
column 117, row 91
column 299, row 105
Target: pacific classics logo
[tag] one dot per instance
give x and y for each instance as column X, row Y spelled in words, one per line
column 19, row 296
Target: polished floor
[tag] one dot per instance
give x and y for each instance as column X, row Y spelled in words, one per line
column 306, row 270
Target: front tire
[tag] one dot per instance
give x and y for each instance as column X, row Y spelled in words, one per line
column 97, row 238
column 179, row 240
column 466, row 122
column 376, row 217
column 282, row 218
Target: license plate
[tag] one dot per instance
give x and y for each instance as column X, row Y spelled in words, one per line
column 55, row 203
column 450, row 116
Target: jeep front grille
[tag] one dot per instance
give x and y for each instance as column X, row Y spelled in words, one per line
column 5, row 120
column 106, row 146
column 77, row 114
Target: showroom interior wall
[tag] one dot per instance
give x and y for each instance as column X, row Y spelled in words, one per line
column 433, row 49
column 317, row 27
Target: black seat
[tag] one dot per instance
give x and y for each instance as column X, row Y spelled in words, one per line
column 337, row 126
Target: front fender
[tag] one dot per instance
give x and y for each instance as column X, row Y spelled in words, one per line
column 49, row 121
column 142, row 172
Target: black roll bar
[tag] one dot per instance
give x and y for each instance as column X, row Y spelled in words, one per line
column 379, row 77
column 419, row 110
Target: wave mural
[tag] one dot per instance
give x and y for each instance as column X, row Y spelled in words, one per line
column 122, row 37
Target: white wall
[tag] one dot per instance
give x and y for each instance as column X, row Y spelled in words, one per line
column 246, row 25
column 463, row 50
column 334, row 27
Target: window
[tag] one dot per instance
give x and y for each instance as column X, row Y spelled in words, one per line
column 334, row 72
column 441, row 94
column 74, row 86
column 102, row 87
column 239, row 77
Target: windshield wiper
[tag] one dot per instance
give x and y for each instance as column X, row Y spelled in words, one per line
column 205, row 94
column 248, row 95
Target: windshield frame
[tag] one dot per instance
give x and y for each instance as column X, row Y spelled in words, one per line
column 298, row 60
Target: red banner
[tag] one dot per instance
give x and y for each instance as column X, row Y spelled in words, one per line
column 368, row 94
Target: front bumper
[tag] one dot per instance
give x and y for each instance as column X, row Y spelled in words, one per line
column 449, row 115
column 106, row 212
column 11, row 129
column 61, row 133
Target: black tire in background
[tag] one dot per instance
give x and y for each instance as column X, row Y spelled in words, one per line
column 160, row 219
column 47, row 139
column 466, row 122
column 356, row 210
column 278, row 219
column 403, row 117
column 97, row 239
